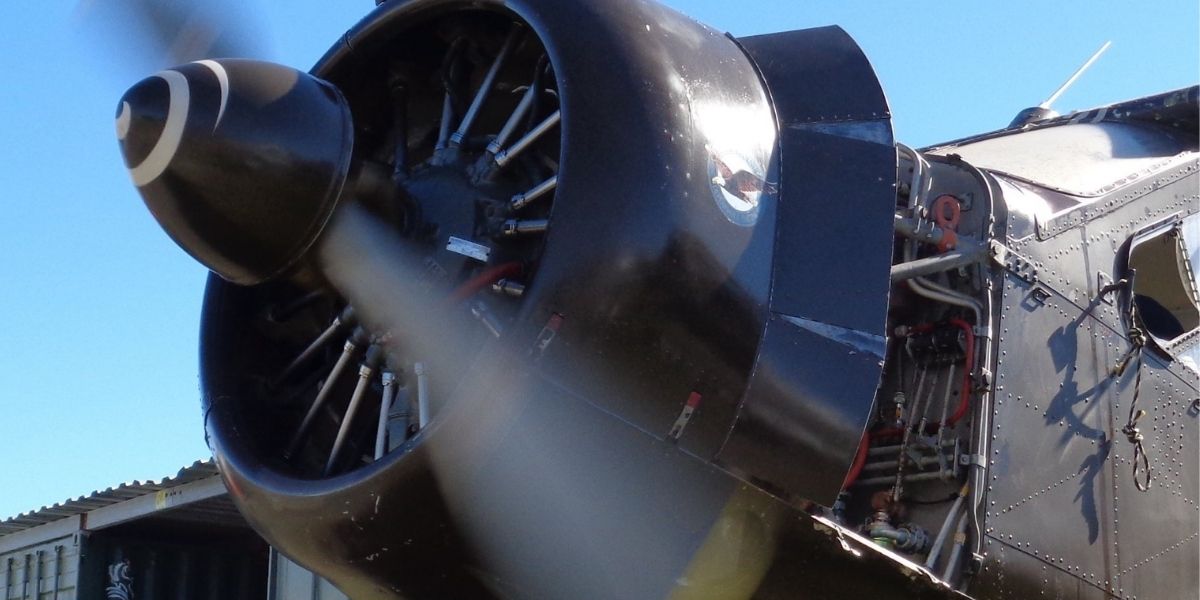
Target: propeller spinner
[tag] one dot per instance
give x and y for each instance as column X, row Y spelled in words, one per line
column 242, row 162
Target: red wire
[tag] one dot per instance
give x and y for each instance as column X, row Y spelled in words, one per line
column 484, row 279
column 968, row 366
column 860, row 459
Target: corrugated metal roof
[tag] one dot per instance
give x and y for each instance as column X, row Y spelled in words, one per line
column 200, row 469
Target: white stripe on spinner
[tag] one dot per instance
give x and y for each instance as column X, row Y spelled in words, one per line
column 123, row 122
column 168, row 143
column 222, row 80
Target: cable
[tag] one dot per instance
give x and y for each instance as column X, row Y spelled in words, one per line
column 968, row 368
column 484, row 279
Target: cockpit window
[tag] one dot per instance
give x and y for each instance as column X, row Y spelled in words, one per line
column 1165, row 297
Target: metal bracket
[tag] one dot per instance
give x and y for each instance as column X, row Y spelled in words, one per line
column 1039, row 295
column 1015, row 263
column 1104, row 282
column 974, row 564
column 967, row 460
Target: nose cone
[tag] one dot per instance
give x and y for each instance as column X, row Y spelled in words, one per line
column 148, row 103
column 241, row 162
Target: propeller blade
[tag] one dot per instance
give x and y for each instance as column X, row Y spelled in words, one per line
column 156, row 34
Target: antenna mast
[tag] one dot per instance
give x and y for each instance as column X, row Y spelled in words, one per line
column 1043, row 111
column 1070, row 80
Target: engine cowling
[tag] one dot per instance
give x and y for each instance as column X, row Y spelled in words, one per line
column 599, row 250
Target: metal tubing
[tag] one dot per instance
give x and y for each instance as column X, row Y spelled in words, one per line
column 340, row 322
column 965, row 254
column 918, row 229
column 448, row 69
column 886, row 450
column 892, row 464
column 945, row 405
column 513, row 120
column 936, row 550
column 400, row 133
column 898, row 480
column 960, row 535
column 981, row 444
column 919, row 184
column 385, row 406
column 514, row 227
column 504, row 156
column 933, row 291
column 485, row 87
column 348, row 352
column 444, row 126
column 509, row 288
column 365, row 372
column 422, row 394
column 925, row 409
column 891, row 479
column 480, row 311
column 522, row 200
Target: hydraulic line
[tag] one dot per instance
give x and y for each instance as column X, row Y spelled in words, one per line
column 947, row 523
column 943, row 424
column 898, row 486
column 983, row 425
column 960, row 540
column 983, row 321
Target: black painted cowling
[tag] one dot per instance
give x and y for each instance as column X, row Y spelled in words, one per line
column 660, row 273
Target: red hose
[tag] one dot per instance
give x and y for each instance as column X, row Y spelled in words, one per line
column 860, row 459
column 968, row 366
column 864, row 447
column 484, row 279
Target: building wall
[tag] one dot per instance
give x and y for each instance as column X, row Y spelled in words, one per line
column 45, row 571
column 290, row 581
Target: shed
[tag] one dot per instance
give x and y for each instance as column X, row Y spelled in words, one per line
column 178, row 538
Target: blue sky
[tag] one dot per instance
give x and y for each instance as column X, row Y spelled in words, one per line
column 100, row 310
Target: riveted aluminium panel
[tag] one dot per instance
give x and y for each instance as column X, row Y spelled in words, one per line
column 993, row 582
column 1157, row 531
column 1050, row 494
column 1132, row 544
